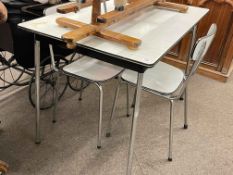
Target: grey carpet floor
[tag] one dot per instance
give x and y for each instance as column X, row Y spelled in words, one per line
column 69, row 146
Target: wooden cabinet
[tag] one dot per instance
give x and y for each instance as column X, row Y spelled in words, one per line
column 218, row 60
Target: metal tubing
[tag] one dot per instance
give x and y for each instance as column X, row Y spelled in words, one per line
column 191, row 49
column 81, row 90
column 194, row 32
column 100, row 114
column 127, row 100
column 37, row 89
column 109, row 128
column 52, row 57
column 56, row 83
column 133, row 102
column 186, row 109
column 55, row 95
column 134, row 123
column 171, row 130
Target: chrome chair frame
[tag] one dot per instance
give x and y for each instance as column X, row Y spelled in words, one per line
column 197, row 54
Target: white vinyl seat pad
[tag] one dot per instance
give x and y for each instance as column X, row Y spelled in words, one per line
column 162, row 78
column 92, row 69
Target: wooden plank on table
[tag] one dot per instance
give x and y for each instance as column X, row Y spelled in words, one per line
column 82, row 30
column 73, row 7
column 174, row 6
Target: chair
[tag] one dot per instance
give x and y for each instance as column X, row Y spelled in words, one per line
column 168, row 82
column 92, row 71
column 96, row 72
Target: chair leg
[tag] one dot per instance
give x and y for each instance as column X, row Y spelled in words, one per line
column 55, row 96
column 128, row 108
column 81, row 90
column 171, row 130
column 109, row 128
column 185, row 110
column 100, row 114
column 134, row 99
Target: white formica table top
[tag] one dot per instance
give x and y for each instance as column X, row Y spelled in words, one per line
column 159, row 30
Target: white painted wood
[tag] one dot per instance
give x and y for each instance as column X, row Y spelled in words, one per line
column 158, row 29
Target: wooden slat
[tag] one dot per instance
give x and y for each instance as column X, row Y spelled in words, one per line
column 72, row 37
column 115, row 16
column 174, row 6
column 69, row 23
column 136, row 5
column 73, row 7
column 82, row 30
column 130, row 42
column 96, row 11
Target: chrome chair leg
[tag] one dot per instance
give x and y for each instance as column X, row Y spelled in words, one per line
column 128, row 108
column 185, row 109
column 134, row 99
column 171, row 130
column 109, row 128
column 81, row 91
column 55, row 96
column 100, row 114
column 37, row 89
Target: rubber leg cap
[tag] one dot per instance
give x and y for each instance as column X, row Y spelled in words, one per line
column 54, row 121
column 37, row 142
column 185, row 126
column 128, row 115
column 169, row 159
column 98, row 147
column 108, row 134
column 80, row 99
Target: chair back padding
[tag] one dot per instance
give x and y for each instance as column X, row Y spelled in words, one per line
column 201, row 47
column 198, row 53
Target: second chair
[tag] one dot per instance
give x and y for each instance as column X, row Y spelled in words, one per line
column 168, row 81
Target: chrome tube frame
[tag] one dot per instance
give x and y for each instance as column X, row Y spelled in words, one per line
column 171, row 130
column 134, row 123
column 37, row 89
column 109, row 127
column 100, row 114
column 55, row 88
column 81, row 91
column 127, row 100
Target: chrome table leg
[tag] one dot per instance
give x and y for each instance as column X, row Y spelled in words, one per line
column 37, row 89
column 134, row 123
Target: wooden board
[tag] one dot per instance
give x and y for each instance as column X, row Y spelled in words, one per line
column 73, row 7
column 115, row 16
column 82, row 30
column 99, row 22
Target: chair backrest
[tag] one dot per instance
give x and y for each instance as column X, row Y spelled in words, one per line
column 198, row 53
column 200, row 49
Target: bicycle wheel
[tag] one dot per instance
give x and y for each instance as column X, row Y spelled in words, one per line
column 76, row 84
column 10, row 71
column 48, row 80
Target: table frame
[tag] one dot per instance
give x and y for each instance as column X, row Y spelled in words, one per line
column 111, row 59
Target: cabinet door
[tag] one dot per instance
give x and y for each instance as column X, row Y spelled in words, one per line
column 220, row 54
column 221, row 14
